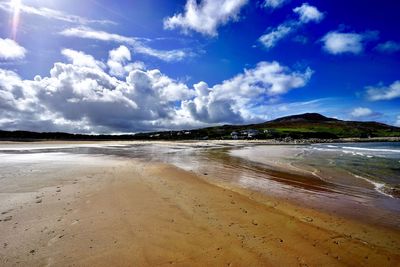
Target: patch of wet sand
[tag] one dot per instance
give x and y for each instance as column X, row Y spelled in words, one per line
column 130, row 213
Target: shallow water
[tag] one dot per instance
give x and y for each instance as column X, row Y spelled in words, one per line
column 319, row 176
column 376, row 163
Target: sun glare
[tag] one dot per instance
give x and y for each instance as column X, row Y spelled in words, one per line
column 16, row 9
column 15, row 3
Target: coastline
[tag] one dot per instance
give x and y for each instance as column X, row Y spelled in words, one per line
column 211, row 141
column 114, row 211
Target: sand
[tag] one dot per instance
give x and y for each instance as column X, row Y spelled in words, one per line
column 103, row 211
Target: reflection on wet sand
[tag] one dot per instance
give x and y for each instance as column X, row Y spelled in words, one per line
column 279, row 171
column 156, row 204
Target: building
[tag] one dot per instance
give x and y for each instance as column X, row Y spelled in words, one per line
column 235, row 135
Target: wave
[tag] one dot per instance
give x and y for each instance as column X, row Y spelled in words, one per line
column 360, row 151
column 372, row 149
column 379, row 187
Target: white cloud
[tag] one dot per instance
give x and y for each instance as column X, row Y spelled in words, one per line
column 135, row 43
column 308, row 13
column 388, row 47
column 121, row 54
column 83, row 96
column 205, row 17
column 361, row 112
column 118, row 62
column 88, row 33
column 80, row 98
column 233, row 99
column 340, row 43
column 81, row 59
column 375, row 93
column 10, row 50
column 52, row 14
column 274, row 3
column 397, row 123
column 271, row 38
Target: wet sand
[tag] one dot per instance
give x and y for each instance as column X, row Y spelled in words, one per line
column 85, row 210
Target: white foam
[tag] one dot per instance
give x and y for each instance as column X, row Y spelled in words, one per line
column 378, row 186
column 372, row 149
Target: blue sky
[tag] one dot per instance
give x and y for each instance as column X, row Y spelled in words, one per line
column 125, row 66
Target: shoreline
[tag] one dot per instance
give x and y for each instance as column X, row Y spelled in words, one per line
column 211, row 141
column 113, row 211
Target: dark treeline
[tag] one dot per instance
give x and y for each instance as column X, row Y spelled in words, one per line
column 31, row 136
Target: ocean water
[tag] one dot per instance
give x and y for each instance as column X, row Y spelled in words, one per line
column 376, row 163
column 390, row 150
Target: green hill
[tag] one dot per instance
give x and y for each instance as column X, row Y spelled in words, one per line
column 303, row 126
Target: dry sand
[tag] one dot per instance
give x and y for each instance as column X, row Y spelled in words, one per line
column 119, row 212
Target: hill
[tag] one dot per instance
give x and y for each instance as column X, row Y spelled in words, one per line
column 302, row 126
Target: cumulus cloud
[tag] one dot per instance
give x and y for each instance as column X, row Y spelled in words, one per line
column 380, row 92
column 83, row 96
column 352, row 43
column 388, row 47
column 361, row 112
column 51, row 14
column 308, row 13
column 273, row 4
column 137, row 45
column 11, row 50
column 81, row 59
column 232, row 100
column 205, row 17
column 118, row 62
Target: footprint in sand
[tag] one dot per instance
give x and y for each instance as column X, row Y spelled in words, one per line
column 5, row 212
column 6, row 219
column 54, row 240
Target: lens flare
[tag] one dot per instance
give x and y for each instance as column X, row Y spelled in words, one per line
column 16, row 10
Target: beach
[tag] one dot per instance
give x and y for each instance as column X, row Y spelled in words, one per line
column 184, row 204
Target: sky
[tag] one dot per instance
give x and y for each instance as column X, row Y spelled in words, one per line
column 118, row 66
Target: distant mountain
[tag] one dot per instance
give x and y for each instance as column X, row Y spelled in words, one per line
column 310, row 124
column 311, row 117
column 302, row 126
